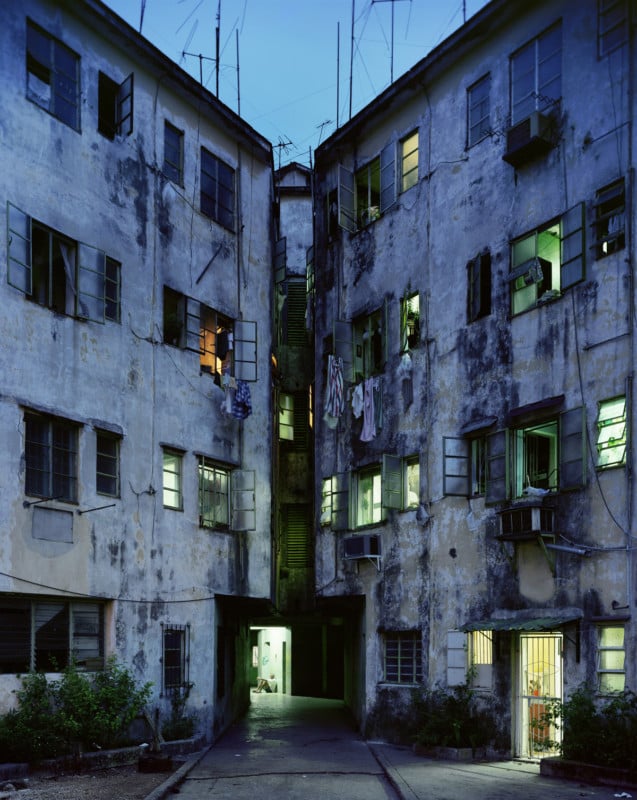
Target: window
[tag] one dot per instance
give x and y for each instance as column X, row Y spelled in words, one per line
column 364, row 196
column 59, row 273
column 172, row 468
column 115, row 106
column 481, row 659
column 546, row 455
column 294, row 420
column 225, row 346
column 411, row 497
column 107, row 464
column 611, row 433
column 51, row 457
column 53, row 76
column 286, row 417
column 409, row 161
column 409, row 322
column 612, row 24
column 400, row 482
column 47, row 634
column 217, row 189
column 478, row 110
column 465, row 466
column 214, row 494
column 173, row 153
column 402, row 661
column 175, row 657
column 547, row 261
column 370, row 344
column 367, row 506
column 610, row 219
column 479, row 287
column 536, row 75
column 611, row 658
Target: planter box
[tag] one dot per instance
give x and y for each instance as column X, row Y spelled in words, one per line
column 556, row 767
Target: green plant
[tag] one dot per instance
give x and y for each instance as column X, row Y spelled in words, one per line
column 453, row 718
column 179, row 725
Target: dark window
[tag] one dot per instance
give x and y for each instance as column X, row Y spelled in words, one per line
column 175, row 644
column 478, row 110
column 115, row 106
column 536, row 75
column 214, row 494
column 173, row 153
column 53, row 76
column 217, row 189
column 403, row 658
column 479, row 286
column 612, row 18
column 51, row 457
column 610, row 219
column 107, row 464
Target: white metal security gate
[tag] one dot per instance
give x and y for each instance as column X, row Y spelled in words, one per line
column 539, row 683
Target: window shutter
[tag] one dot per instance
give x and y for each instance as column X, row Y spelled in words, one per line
column 340, row 501
column 309, row 269
column 90, row 303
column 125, row 107
column 297, row 536
column 456, row 658
column 245, row 350
column 572, row 448
column 280, row 260
column 243, row 500
column 387, row 177
column 193, row 325
column 497, row 467
column 456, row 466
column 346, row 202
column 344, row 348
column 392, row 481
column 19, row 273
column 572, row 261
column 295, row 331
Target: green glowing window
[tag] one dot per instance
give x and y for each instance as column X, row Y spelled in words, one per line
column 611, row 433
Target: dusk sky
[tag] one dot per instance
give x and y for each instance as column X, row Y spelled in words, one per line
column 289, row 52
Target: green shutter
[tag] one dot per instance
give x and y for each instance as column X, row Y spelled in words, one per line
column 498, row 484
column 346, row 199
column 392, row 481
column 297, row 536
column 340, row 501
column 572, row 448
column 572, row 250
column 295, row 330
column 387, row 177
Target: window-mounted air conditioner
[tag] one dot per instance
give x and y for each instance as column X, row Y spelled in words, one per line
column 366, row 545
column 528, row 139
column 526, row 521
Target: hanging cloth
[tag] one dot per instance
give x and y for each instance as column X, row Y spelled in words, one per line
column 242, row 403
column 369, row 428
column 335, row 397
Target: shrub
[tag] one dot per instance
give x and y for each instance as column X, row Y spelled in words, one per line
column 179, row 725
column 453, row 718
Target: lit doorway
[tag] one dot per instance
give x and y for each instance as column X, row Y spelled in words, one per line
column 539, row 683
column 270, row 657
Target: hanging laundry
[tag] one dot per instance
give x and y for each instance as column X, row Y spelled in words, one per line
column 335, row 398
column 357, row 401
column 378, row 403
column 369, row 428
column 242, row 403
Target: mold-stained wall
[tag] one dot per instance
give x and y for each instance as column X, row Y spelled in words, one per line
column 443, row 564
column 153, row 566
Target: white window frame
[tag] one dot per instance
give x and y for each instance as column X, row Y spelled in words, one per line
column 172, row 471
column 611, row 433
column 479, row 110
column 536, row 74
column 611, row 659
column 402, row 657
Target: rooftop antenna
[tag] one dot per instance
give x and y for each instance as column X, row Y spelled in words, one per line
column 282, row 146
column 321, row 126
column 391, row 69
column 201, row 60
column 217, row 33
column 351, row 61
column 141, row 14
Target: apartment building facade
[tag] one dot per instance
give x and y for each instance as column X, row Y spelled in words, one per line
column 474, row 280
column 135, row 376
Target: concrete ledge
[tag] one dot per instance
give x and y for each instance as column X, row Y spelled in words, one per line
column 451, row 753
column 556, row 767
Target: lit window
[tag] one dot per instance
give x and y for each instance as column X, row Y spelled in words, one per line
column 478, row 110
column 214, row 494
column 402, row 657
column 173, row 153
column 172, row 468
column 481, row 659
column 53, row 76
column 51, row 457
column 536, row 75
column 107, row 464
column 412, row 482
column 368, row 193
column 409, row 162
column 217, row 189
column 611, row 433
column 368, row 506
column 610, row 219
column 611, row 659
column 536, row 457
column 410, row 322
column 286, row 417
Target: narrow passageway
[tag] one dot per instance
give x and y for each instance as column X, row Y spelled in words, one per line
column 290, row 747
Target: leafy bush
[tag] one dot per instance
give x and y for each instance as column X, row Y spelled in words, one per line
column 79, row 710
column 452, row 718
column 179, row 725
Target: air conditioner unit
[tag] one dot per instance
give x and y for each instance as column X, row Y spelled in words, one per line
column 527, row 522
column 366, row 545
column 528, row 139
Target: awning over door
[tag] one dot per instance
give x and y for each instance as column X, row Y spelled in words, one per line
column 519, row 624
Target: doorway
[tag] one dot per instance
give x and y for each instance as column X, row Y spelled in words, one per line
column 539, row 683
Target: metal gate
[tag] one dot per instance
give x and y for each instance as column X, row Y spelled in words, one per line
column 539, row 683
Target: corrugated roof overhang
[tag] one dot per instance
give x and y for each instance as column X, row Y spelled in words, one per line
column 517, row 624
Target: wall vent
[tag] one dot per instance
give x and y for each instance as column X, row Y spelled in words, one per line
column 527, row 522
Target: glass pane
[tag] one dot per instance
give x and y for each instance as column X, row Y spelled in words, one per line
column 611, row 636
column 612, row 682
column 51, row 636
column 611, row 659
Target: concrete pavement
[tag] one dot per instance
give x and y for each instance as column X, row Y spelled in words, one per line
column 308, row 748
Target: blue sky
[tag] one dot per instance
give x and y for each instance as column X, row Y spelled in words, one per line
column 289, row 51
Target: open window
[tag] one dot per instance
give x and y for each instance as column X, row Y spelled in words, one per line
column 479, row 287
column 547, row 261
column 409, row 322
column 610, row 219
column 369, row 333
column 611, row 433
column 115, row 106
column 62, row 274
column 226, row 496
column 465, row 465
column 363, row 196
column 400, row 481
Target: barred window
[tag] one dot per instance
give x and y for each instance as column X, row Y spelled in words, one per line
column 403, row 657
column 51, row 457
column 107, row 464
column 175, row 657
